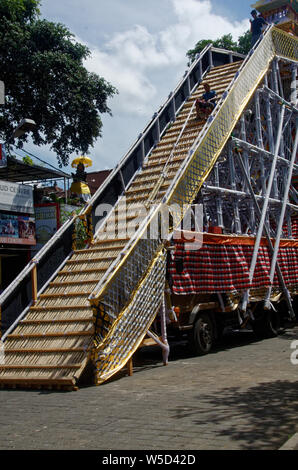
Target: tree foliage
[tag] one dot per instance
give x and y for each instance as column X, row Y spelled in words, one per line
column 45, row 80
column 242, row 46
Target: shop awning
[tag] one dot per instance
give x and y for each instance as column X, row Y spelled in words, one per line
column 20, row 172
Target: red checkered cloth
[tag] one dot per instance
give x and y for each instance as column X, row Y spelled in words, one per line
column 225, row 268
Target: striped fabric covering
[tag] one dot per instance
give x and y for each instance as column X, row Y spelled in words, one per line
column 225, row 268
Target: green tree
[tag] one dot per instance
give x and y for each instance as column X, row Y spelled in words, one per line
column 45, row 80
column 225, row 42
column 244, row 43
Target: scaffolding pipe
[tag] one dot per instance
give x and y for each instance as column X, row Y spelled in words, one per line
column 281, row 220
column 266, row 230
column 294, row 84
column 264, row 209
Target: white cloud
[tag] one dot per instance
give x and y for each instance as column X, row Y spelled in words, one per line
column 131, row 59
column 142, row 52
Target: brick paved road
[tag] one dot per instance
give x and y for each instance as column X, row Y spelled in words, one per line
column 242, row 396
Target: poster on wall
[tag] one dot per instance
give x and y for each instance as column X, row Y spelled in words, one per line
column 16, row 197
column 16, row 229
column 47, row 222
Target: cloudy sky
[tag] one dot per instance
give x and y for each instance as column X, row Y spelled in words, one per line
column 140, row 47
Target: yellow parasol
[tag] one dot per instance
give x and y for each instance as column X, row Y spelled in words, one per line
column 85, row 160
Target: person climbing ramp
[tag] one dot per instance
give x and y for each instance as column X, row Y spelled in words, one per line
column 256, row 26
column 206, row 104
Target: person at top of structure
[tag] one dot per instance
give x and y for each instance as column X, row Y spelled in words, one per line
column 256, row 26
column 208, row 101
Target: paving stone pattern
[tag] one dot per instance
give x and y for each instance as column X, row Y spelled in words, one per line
column 242, row 396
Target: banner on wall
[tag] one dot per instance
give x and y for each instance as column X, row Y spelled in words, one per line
column 17, row 229
column 47, row 222
column 16, row 197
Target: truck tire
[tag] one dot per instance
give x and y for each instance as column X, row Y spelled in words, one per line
column 266, row 323
column 201, row 338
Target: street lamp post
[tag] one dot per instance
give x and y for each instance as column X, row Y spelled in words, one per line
column 24, row 126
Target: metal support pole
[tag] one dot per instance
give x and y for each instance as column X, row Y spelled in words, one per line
column 294, row 84
column 274, row 74
column 281, row 220
column 252, row 220
column 188, row 86
column 271, row 140
column 260, row 138
column 218, row 199
column 142, row 150
column 157, row 127
column 279, row 80
column 163, row 325
column 258, row 120
column 173, row 109
column 264, row 210
column 289, row 223
column 122, row 180
column 238, row 228
column 200, row 70
column 269, row 126
column 210, row 58
column 267, row 233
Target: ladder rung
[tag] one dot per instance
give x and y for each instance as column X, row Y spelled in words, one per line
column 70, row 283
column 25, row 381
column 89, row 260
column 39, row 366
column 46, row 351
column 54, row 321
column 80, row 271
column 51, row 335
column 103, row 242
column 62, row 307
column 63, row 294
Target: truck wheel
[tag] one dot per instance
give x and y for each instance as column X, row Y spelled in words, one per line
column 202, row 335
column 266, row 323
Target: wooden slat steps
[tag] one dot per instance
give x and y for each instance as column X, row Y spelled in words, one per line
column 42, row 309
column 43, row 351
column 56, row 320
column 40, row 366
column 50, row 347
column 56, row 334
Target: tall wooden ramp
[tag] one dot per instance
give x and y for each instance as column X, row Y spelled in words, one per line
column 100, row 305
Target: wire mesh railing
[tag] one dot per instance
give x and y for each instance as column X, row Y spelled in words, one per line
column 188, row 181
column 19, row 294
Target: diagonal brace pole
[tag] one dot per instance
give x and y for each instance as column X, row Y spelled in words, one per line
column 281, row 219
column 267, row 233
column 264, row 209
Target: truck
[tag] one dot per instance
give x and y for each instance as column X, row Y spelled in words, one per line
column 205, row 290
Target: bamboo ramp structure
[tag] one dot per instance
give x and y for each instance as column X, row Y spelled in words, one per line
column 98, row 308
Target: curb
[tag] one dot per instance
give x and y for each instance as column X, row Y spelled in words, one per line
column 291, row 444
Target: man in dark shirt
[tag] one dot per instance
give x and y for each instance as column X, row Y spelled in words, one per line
column 208, row 101
column 256, row 26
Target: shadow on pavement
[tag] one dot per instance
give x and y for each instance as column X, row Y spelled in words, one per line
column 261, row 417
